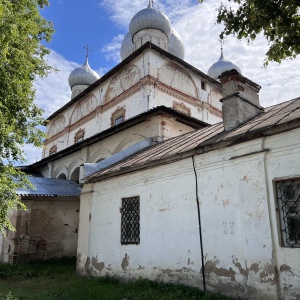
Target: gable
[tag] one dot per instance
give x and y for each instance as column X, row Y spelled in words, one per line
column 176, row 77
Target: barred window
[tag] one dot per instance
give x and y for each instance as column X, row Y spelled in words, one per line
column 130, row 221
column 288, row 195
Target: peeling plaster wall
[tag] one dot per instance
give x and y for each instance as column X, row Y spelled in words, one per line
column 243, row 255
column 162, row 223
column 46, row 229
column 283, row 161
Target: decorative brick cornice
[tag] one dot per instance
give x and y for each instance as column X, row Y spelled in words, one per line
column 147, row 80
column 84, row 120
column 182, row 108
column 57, row 135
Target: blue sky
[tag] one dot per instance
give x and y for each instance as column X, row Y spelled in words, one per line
column 79, row 23
column 102, row 25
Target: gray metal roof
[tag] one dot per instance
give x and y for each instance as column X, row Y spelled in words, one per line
column 221, row 66
column 278, row 118
column 150, row 18
column 83, row 75
column 50, row 187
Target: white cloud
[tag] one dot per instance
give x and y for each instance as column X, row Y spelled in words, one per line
column 121, row 12
column 112, row 50
column 54, row 91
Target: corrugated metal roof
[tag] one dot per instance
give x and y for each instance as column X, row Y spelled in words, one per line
column 50, row 187
column 272, row 117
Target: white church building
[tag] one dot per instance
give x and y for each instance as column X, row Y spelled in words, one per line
column 158, row 170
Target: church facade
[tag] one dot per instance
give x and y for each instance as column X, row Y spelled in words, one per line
column 158, row 170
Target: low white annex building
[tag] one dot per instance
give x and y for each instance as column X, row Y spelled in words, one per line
column 158, row 170
column 238, row 179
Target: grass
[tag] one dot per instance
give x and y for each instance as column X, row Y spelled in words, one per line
column 57, row 279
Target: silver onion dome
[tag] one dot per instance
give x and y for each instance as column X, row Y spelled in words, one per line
column 83, row 75
column 221, row 66
column 126, row 47
column 176, row 46
column 150, row 18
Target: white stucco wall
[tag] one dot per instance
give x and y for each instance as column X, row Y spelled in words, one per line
column 243, row 255
column 157, row 127
column 93, row 112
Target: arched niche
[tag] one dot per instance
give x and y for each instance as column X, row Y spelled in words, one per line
column 177, row 78
column 74, row 170
column 60, row 172
column 129, row 141
column 99, row 155
column 57, row 125
column 122, row 82
column 62, row 176
column 84, row 107
column 75, row 175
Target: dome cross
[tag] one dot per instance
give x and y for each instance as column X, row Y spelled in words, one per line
column 88, row 49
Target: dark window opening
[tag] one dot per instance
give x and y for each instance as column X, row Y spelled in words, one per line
column 130, row 221
column 119, row 120
column 203, row 86
column 288, row 195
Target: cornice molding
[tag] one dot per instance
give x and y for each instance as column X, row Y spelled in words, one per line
column 147, row 80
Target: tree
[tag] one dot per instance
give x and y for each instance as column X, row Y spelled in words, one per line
column 22, row 29
column 278, row 20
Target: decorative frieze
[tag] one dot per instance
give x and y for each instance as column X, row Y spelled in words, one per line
column 182, row 108
column 147, row 80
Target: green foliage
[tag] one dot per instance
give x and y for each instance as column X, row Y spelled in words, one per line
column 278, row 20
column 9, row 297
column 57, row 279
column 22, row 30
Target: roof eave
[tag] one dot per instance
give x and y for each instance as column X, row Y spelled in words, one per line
column 205, row 147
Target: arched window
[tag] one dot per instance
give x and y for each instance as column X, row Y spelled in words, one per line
column 118, row 116
column 79, row 136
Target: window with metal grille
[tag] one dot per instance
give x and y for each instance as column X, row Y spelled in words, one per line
column 130, row 221
column 288, row 195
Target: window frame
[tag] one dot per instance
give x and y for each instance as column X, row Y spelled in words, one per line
column 118, row 114
column 130, row 235
column 79, row 136
column 116, row 122
column 287, row 191
column 52, row 150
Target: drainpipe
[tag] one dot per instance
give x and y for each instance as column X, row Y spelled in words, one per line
column 199, row 225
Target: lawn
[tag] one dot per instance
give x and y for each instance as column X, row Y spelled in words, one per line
column 57, row 279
